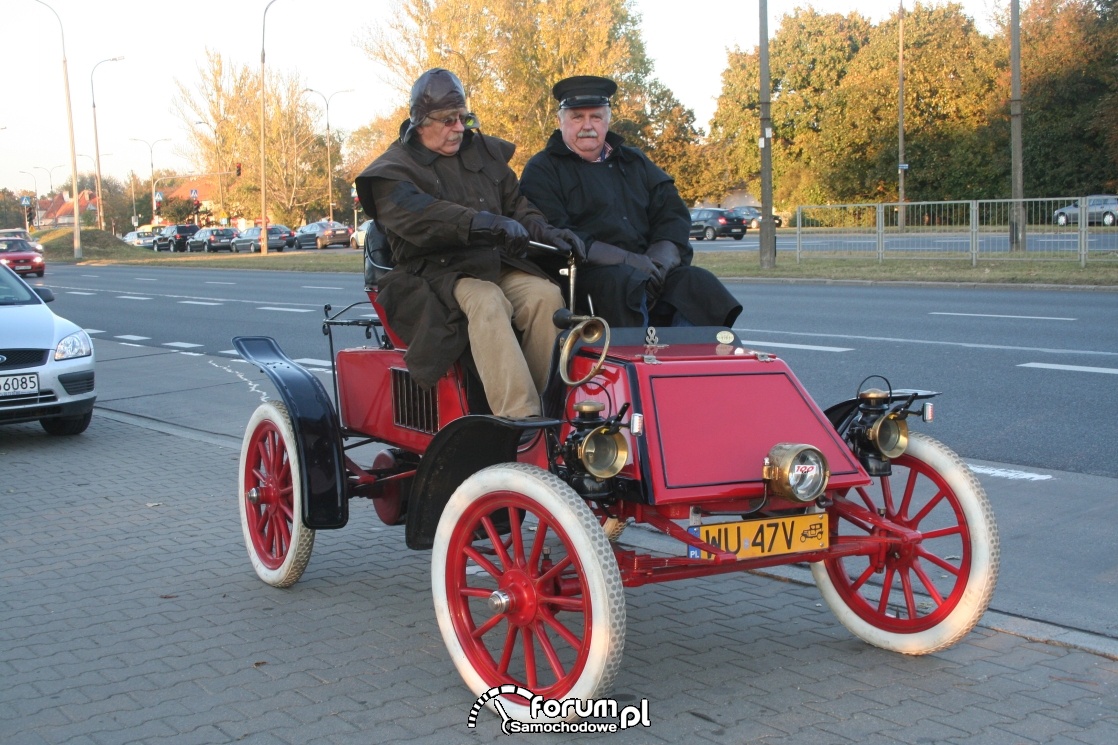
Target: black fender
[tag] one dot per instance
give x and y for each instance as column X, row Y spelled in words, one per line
column 459, row 450
column 318, row 440
column 842, row 414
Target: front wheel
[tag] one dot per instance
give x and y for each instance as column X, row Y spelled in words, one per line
column 526, row 588
column 924, row 595
column 66, row 426
column 709, row 234
column 1108, row 219
column 1061, row 219
column 271, row 497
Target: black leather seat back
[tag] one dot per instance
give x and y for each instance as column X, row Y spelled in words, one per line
column 378, row 256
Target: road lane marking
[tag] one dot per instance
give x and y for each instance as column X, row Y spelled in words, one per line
column 181, row 344
column 230, row 351
column 75, row 292
column 966, row 345
column 220, row 283
column 995, row 315
column 287, row 310
column 94, row 331
column 196, row 302
column 314, row 287
column 145, row 279
column 132, row 337
column 1072, row 368
column 1008, row 473
column 808, row 347
column 131, row 297
column 313, row 362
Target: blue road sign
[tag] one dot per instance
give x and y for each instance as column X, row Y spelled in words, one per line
column 193, row 193
column 159, row 196
column 25, row 201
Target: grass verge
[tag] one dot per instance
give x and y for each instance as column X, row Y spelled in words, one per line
column 99, row 247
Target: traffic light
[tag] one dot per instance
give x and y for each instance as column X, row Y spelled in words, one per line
column 197, row 206
column 159, row 208
column 238, row 169
column 30, row 215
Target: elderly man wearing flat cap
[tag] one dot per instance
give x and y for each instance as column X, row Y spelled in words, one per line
column 459, row 229
column 629, row 215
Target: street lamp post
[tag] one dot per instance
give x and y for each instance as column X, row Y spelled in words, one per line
column 50, row 181
column 902, row 166
column 329, row 144
column 151, row 162
column 263, row 169
column 70, row 121
column 97, row 143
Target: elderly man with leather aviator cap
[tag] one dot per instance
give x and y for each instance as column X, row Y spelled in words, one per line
column 459, row 230
column 629, row 215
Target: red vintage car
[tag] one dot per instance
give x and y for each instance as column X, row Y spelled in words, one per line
column 684, row 430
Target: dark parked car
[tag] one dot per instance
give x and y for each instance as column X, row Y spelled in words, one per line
column 212, row 239
column 174, row 237
column 1101, row 208
column 279, row 238
column 708, row 223
column 752, row 217
column 322, row 234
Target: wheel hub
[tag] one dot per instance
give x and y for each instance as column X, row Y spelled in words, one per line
column 517, row 598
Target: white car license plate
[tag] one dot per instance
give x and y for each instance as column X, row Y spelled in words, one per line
column 735, row 230
column 19, row 385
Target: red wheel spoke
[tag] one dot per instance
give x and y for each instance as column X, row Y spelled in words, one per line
column 941, row 563
column 866, row 499
column 475, row 592
column 910, row 487
column 887, row 495
column 538, row 544
column 886, row 589
column 286, row 504
column 862, row 578
column 568, row 635
column 485, row 628
column 506, row 653
column 567, row 603
column 549, row 651
column 555, row 571
column 927, row 582
column 495, row 539
column 956, row 530
column 483, row 562
column 517, row 537
column 931, row 505
column 909, row 596
column 529, row 657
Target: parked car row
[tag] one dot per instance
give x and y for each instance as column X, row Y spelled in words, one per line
column 190, row 237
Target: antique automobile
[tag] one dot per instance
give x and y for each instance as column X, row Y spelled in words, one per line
column 684, row 430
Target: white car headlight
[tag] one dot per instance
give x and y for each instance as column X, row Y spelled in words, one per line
column 76, row 344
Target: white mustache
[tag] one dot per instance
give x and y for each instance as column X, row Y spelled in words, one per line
column 587, row 133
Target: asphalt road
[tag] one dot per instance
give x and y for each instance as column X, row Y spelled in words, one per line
column 1027, row 376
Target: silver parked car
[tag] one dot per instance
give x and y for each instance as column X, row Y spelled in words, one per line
column 1101, row 209
column 46, row 362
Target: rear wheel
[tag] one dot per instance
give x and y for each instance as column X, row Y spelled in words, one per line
column 1108, row 219
column 526, row 588
column 1061, row 219
column 709, row 234
column 271, row 498
column 923, row 595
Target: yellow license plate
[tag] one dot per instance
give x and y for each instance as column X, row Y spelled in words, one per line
column 763, row 537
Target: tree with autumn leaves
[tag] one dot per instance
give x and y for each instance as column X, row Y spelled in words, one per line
column 834, row 102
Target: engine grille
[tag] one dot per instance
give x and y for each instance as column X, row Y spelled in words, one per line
column 15, row 358
column 413, row 407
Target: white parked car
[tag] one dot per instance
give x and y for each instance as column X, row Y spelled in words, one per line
column 46, row 362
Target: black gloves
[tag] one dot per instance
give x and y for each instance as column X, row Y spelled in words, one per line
column 665, row 256
column 607, row 254
column 561, row 238
column 487, row 229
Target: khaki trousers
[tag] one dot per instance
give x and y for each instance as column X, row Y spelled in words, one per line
column 513, row 371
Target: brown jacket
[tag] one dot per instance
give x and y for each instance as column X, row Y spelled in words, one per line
column 425, row 202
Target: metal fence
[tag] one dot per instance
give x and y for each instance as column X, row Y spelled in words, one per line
column 997, row 229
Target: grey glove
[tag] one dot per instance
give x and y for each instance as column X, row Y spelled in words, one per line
column 561, row 238
column 487, row 229
column 607, row 254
